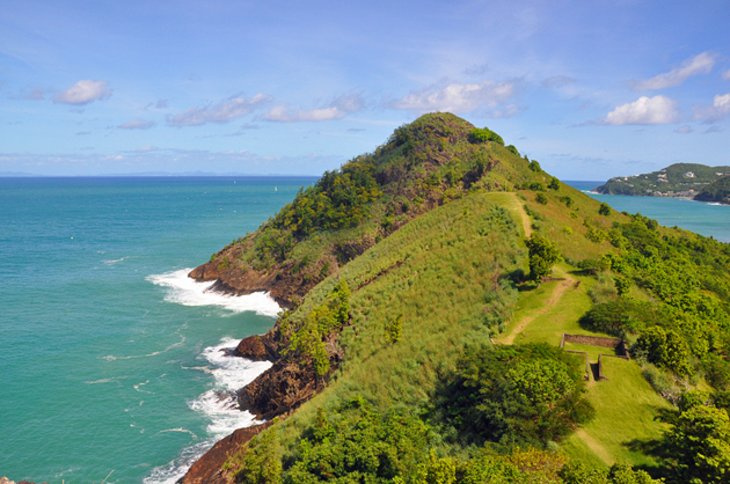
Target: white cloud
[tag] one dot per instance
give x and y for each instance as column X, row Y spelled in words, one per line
column 136, row 124
column 337, row 109
column 726, row 75
column 458, row 98
column 722, row 103
column 645, row 110
column 720, row 109
column 699, row 64
column 222, row 112
column 83, row 92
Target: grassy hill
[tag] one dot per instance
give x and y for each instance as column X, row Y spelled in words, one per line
column 678, row 180
column 387, row 363
column 433, row 160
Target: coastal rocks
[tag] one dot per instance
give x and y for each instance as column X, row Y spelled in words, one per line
column 258, row 348
column 281, row 388
column 209, row 468
column 5, row 480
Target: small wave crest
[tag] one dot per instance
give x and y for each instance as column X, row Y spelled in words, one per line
column 170, row 347
column 219, row 405
column 181, row 289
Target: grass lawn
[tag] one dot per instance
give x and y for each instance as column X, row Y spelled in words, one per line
column 625, row 409
column 547, row 320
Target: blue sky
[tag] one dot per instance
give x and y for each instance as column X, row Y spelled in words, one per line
column 591, row 89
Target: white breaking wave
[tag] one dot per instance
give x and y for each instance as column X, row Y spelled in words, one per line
column 181, row 289
column 219, row 405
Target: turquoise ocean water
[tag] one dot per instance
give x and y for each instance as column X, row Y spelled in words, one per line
column 110, row 361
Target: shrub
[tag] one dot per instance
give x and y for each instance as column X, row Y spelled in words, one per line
column 482, row 135
column 541, row 199
column 604, row 209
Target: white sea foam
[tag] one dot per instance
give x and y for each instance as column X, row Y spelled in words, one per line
column 111, row 262
column 181, row 289
column 100, row 381
column 180, row 430
column 219, row 405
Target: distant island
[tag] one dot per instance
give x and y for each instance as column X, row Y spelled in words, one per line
column 684, row 180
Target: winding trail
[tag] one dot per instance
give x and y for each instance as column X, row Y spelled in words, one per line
column 595, row 446
column 567, row 282
column 558, row 291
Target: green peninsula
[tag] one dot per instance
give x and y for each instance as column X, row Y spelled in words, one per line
column 457, row 314
column 684, row 180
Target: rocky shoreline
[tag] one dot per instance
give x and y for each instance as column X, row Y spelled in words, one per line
column 275, row 393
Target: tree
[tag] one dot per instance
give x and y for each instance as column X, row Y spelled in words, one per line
column 697, row 446
column 664, row 347
column 554, row 184
column 516, row 394
column 604, row 209
column 543, row 255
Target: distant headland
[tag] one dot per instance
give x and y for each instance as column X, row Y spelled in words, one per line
column 683, row 180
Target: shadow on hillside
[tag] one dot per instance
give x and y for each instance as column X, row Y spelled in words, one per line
column 519, row 280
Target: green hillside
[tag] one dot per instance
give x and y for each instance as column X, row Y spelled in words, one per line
column 678, row 180
column 717, row 191
column 431, row 353
column 433, row 160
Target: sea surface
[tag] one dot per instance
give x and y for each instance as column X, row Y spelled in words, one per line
column 110, row 361
column 110, row 357
column 709, row 219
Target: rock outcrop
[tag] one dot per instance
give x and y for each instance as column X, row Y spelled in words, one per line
column 281, row 388
column 208, row 469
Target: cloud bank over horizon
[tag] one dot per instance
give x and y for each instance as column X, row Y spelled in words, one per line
column 322, row 84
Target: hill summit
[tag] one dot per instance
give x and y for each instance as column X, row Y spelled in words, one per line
column 424, row 164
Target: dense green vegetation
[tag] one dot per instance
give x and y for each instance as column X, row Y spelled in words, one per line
column 680, row 180
column 679, row 316
column 717, row 191
column 526, row 394
column 416, row 256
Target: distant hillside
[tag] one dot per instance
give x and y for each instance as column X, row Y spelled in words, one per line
column 678, row 180
column 718, row 191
